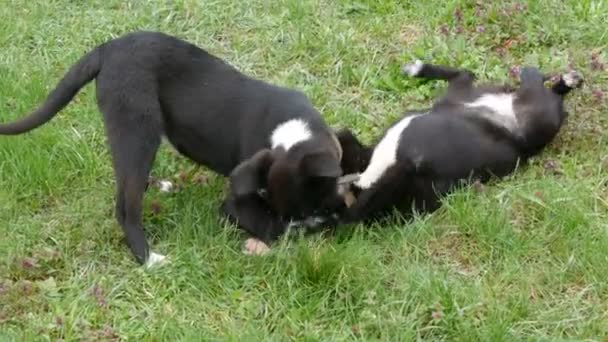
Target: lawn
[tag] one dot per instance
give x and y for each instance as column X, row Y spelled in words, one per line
column 524, row 258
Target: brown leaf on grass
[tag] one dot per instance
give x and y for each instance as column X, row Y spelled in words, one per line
column 598, row 95
column 540, row 195
column 596, row 63
column 437, row 315
column 155, row 207
column 98, row 293
column 28, row 263
column 409, row 34
column 478, row 186
column 200, row 178
column 552, row 167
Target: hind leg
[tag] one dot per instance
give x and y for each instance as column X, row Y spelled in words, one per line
column 134, row 136
column 460, row 81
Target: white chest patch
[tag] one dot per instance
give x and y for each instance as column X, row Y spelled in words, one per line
column 501, row 106
column 384, row 155
column 290, row 133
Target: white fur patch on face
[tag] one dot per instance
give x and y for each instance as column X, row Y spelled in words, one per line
column 413, row 69
column 501, row 106
column 290, row 133
column 155, row 260
column 384, row 155
column 254, row 246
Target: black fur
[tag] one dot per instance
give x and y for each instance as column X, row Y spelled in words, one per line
column 149, row 84
column 451, row 143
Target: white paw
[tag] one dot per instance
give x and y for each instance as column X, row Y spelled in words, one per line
column 165, row 186
column 156, row 260
column 572, row 79
column 414, row 68
column 254, row 246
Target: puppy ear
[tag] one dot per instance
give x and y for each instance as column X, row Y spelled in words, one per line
column 355, row 155
column 321, row 164
column 250, row 175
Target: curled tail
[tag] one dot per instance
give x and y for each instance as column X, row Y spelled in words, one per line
column 81, row 73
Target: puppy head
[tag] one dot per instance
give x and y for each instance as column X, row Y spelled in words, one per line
column 297, row 185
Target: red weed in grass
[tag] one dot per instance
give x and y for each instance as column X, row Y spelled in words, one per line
column 156, row 207
column 458, row 15
column 514, row 71
column 27, row 287
column 97, row 292
column 200, row 178
column 598, row 95
column 520, row 7
column 478, row 186
column 28, row 263
column 182, row 176
column 554, row 78
column 479, row 10
column 540, row 195
column 553, row 167
column 437, row 315
column 596, row 64
column 480, row 29
column 444, row 29
column 108, row 333
column 459, row 29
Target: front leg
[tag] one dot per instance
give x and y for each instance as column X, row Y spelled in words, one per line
column 378, row 198
column 460, row 81
column 252, row 214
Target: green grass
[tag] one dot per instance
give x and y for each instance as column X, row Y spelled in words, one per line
column 520, row 259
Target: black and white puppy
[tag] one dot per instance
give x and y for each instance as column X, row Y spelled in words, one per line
column 150, row 84
column 471, row 133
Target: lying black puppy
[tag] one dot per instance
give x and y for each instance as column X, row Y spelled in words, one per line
column 471, row 133
column 150, row 84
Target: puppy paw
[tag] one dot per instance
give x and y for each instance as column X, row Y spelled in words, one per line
column 254, row 246
column 165, row 186
column 349, row 199
column 413, row 69
column 155, row 260
column 573, row 79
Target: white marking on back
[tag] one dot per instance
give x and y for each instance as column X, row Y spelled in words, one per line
column 501, row 105
column 290, row 133
column 384, row 155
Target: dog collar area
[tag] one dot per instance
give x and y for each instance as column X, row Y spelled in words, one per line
column 349, row 178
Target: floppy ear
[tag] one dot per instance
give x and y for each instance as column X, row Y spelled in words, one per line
column 250, row 175
column 320, row 164
column 355, row 155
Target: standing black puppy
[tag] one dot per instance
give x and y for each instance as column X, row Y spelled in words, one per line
column 470, row 133
column 150, row 84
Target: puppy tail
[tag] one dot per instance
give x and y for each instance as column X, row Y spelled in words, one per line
column 81, row 73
